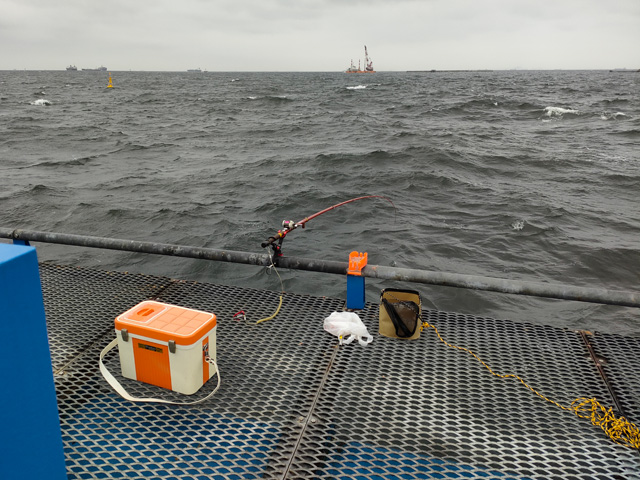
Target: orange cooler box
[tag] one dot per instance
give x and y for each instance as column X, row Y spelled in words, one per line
column 167, row 345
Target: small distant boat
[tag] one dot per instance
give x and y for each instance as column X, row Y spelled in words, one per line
column 72, row 68
column 99, row 69
column 195, row 70
column 368, row 65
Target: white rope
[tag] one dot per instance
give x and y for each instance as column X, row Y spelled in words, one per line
column 113, row 381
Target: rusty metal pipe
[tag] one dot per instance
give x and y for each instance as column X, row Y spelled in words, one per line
column 474, row 282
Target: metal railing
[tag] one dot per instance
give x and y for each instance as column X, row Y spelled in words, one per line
column 474, row 282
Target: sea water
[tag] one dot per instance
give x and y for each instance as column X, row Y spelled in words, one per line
column 521, row 175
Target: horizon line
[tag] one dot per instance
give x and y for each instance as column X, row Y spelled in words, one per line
column 335, row 71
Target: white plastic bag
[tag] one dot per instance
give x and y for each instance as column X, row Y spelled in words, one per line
column 347, row 326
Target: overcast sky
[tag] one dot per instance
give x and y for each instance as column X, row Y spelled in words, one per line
column 319, row 35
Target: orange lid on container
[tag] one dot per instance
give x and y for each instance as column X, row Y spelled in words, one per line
column 165, row 322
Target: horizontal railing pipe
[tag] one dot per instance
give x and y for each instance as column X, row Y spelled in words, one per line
column 474, row 282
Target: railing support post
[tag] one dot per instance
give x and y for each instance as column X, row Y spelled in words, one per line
column 355, row 281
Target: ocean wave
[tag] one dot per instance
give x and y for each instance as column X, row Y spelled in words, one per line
column 612, row 116
column 518, row 225
column 120, row 213
column 623, row 181
column 357, row 87
column 72, row 162
column 480, row 103
column 41, row 102
column 616, row 102
column 271, row 98
column 144, row 98
column 369, row 159
column 535, row 228
column 633, row 133
column 610, row 265
column 559, row 111
column 405, row 133
column 41, row 189
column 131, row 147
column 526, row 106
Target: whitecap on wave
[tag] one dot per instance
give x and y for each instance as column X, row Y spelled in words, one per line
column 518, row 225
column 357, row 87
column 559, row 111
column 612, row 116
column 41, row 102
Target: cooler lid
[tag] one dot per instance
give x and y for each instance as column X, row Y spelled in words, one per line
column 164, row 322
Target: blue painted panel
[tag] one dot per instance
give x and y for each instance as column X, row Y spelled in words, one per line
column 30, row 440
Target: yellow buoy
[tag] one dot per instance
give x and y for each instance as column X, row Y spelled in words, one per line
column 110, row 84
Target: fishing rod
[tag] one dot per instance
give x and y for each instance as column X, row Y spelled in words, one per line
column 288, row 226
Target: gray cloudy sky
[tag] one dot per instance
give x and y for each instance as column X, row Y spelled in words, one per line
column 319, row 35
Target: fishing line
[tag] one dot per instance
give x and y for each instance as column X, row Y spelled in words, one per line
column 276, row 240
column 281, row 295
column 242, row 315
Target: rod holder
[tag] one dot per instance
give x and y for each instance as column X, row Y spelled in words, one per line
column 355, row 281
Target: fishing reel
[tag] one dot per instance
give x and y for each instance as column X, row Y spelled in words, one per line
column 276, row 241
column 288, row 224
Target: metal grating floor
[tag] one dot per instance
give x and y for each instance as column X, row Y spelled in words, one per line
column 294, row 405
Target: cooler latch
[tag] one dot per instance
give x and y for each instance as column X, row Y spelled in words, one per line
column 172, row 346
column 125, row 334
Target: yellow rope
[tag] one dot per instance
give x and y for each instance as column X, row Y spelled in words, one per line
column 272, row 316
column 619, row 429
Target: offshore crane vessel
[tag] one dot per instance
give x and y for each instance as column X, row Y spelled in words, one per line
column 367, row 62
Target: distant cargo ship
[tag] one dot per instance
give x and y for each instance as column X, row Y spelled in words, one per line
column 194, row 70
column 99, row 69
column 72, row 68
column 368, row 65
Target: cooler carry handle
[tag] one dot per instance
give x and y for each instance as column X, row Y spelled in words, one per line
column 115, row 384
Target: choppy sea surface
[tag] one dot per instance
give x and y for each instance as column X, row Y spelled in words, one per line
column 519, row 175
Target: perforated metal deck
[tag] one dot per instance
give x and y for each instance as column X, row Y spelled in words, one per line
column 294, row 405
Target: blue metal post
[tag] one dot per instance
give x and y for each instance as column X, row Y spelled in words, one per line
column 30, row 436
column 355, row 292
column 355, row 280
